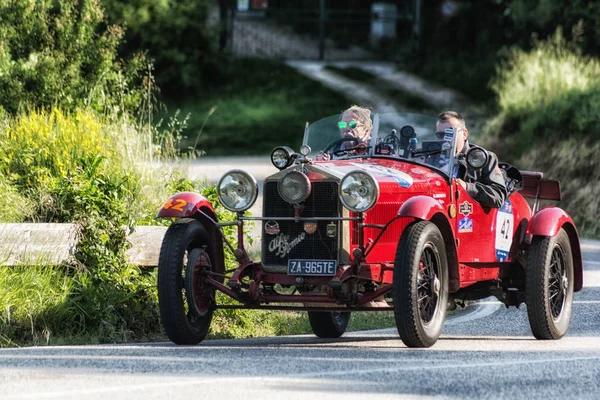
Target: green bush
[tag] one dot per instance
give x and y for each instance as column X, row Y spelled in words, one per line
column 176, row 35
column 550, row 92
column 61, row 52
column 537, row 18
column 95, row 172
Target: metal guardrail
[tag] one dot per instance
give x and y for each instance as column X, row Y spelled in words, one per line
column 54, row 244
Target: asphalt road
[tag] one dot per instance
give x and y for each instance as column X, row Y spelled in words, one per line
column 485, row 351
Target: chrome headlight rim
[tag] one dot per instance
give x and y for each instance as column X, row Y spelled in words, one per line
column 474, row 153
column 288, row 156
column 374, row 198
column 254, row 188
column 305, row 150
column 307, row 187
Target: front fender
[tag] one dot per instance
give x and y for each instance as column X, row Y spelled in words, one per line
column 185, row 205
column 547, row 222
column 429, row 209
column 420, row 207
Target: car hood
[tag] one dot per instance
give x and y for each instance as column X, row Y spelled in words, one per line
column 393, row 176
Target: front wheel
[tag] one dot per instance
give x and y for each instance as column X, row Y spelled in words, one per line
column 328, row 324
column 549, row 285
column 186, row 303
column 420, row 284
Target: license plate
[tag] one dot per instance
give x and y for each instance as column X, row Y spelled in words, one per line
column 312, row 267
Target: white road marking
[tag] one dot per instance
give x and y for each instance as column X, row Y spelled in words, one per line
column 482, row 310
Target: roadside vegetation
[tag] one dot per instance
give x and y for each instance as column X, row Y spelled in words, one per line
column 534, row 67
column 84, row 140
column 549, row 108
column 255, row 106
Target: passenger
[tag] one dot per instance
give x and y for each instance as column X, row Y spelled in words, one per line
column 488, row 185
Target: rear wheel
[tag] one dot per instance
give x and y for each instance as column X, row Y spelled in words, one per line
column 328, row 324
column 186, row 302
column 549, row 286
column 420, row 284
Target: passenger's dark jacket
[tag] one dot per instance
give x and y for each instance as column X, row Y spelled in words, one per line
column 488, row 185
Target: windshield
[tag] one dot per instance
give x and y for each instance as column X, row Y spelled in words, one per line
column 397, row 135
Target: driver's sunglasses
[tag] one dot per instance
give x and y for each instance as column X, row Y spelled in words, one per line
column 344, row 124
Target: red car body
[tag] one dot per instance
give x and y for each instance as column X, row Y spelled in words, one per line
column 423, row 244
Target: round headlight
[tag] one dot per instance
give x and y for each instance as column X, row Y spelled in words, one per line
column 305, row 150
column 294, row 187
column 359, row 191
column 282, row 157
column 237, row 190
column 477, row 157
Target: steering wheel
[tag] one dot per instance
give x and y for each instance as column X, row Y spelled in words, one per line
column 331, row 146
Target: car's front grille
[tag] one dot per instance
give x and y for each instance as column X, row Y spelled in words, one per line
column 293, row 241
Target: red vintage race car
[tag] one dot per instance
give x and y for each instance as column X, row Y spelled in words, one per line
column 384, row 227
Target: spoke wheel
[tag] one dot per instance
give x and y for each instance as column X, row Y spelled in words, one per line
column 328, row 324
column 186, row 303
column 549, row 285
column 420, row 284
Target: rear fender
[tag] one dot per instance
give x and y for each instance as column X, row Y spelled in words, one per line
column 548, row 222
column 429, row 209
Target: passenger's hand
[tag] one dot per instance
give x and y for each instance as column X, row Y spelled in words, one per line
column 321, row 156
column 462, row 183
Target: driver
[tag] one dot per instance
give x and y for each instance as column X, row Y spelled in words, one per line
column 355, row 122
column 488, row 185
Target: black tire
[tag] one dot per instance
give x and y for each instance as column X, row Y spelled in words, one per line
column 186, row 305
column 420, row 285
column 329, row 325
column 549, row 280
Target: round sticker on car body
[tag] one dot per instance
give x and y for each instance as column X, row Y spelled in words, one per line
column 504, row 231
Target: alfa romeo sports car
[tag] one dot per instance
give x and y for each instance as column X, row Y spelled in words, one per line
column 371, row 228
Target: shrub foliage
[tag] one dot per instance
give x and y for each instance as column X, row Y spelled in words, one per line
column 62, row 52
column 549, row 102
column 175, row 34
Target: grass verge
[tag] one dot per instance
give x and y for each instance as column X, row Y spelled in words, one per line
column 261, row 104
